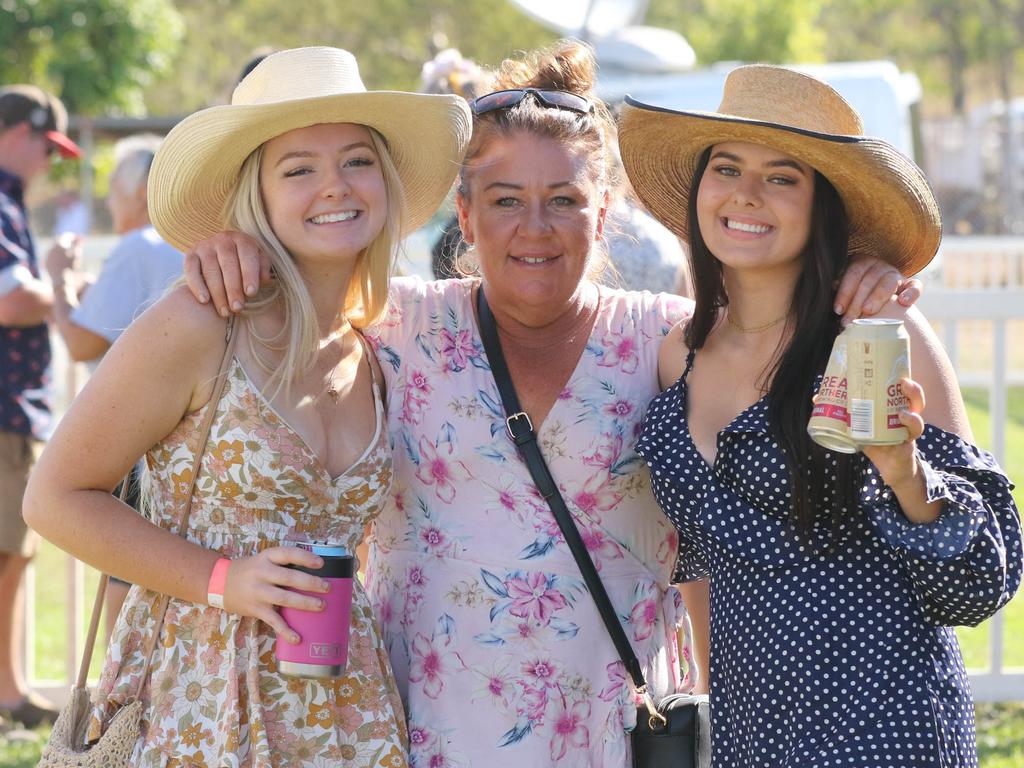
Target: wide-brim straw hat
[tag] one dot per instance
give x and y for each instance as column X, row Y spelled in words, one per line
column 198, row 163
column 891, row 209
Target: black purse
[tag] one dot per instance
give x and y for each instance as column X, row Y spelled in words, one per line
column 675, row 733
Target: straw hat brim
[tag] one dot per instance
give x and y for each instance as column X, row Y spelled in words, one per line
column 199, row 161
column 892, row 212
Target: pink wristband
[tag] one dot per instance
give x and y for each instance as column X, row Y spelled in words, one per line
column 218, row 578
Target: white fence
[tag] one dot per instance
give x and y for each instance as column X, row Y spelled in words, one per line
column 948, row 310
column 976, row 282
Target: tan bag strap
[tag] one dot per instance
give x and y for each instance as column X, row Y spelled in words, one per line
column 204, row 431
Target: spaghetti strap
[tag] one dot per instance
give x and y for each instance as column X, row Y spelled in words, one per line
column 689, row 365
column 378, row 401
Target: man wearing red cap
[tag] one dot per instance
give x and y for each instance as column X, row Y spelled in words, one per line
column 32, row 129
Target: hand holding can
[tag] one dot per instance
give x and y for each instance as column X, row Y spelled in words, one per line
column 896, row 462
column 879, row 360
column 861, row 401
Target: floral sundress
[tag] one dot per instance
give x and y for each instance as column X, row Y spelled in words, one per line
column 500, row 655
column 215, row 697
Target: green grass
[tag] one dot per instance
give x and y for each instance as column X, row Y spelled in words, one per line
column 52, row 603
column 974, row 641
column 1000, row 735
column 22, row 754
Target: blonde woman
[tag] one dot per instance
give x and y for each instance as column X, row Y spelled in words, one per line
column 326, row 177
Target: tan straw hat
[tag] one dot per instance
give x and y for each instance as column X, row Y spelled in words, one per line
column 892, row 211
column 199, row 161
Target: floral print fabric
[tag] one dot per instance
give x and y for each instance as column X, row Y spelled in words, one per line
column 215, row 697
column 498, row 650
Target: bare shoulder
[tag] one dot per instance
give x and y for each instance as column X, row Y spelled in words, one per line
column 672, row 356
column 181, row 315
column 177, row 336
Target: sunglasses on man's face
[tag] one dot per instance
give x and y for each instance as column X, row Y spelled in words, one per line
column 51, row 148
column 551, row 99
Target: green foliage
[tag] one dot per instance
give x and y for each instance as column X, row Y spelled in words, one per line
column 778, row 31
column 97, row 55
column 953, row 45
column 391, row 39
column 175, row 56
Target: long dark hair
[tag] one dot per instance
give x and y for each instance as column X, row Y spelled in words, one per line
column 814, row 327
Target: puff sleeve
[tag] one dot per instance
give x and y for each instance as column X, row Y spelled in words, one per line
column 966, row 565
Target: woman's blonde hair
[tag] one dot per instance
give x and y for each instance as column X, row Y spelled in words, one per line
column 367, row 296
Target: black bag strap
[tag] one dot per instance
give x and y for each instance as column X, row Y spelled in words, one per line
column 520, row 429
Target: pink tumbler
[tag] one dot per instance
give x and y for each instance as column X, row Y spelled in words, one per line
column 322, row 650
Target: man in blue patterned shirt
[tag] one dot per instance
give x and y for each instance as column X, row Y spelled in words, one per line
column 32, row 126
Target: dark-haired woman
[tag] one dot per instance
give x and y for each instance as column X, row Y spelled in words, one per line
column 834, row 578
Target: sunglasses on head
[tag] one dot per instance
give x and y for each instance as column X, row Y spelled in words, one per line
column 551, row 99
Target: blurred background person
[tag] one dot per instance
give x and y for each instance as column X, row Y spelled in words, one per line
column 645, row 255
column 32, row 125
column 72, row 214
column 257, row 55
column 135, row 275
column 449, row 72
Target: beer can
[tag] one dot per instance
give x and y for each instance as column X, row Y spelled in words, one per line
column 878, row 356
column 830, row 418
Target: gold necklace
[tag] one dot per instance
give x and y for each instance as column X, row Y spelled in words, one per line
column 332, row 390
column 754, row 328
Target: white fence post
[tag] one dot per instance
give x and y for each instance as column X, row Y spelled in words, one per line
column 997, row 306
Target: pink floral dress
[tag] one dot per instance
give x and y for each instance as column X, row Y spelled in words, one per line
column 498, row 650
column 215, row 697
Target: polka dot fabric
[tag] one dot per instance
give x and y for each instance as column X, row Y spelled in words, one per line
column 843, row 658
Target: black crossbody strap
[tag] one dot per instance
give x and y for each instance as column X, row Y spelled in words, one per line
column 520, row 429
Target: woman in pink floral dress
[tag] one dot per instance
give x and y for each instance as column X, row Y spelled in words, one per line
column 496, row 643
column 327, row 177
column 498, row 651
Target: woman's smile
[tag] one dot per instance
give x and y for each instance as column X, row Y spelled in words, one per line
column 740, row 227
column 333, row 218
column 533, row 213
column 754, row 206
column 534, row 260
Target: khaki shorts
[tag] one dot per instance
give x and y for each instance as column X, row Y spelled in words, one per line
column 18, row 454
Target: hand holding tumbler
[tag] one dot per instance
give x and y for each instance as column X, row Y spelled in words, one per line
column 322, row 650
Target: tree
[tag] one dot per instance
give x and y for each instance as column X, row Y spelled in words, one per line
column 953, row 45
column 778, row 31
column 98, row 55
column 390, row 38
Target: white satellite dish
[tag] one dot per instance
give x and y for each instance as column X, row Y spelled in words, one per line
column 644, row 49
column 584, row 18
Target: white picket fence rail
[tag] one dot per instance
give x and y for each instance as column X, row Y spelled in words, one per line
column 976, row 279
column 946, row 310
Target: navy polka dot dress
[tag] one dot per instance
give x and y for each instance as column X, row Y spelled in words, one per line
column 844, row 658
